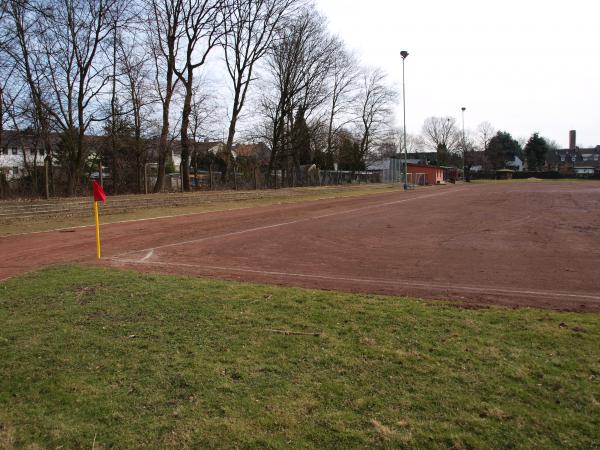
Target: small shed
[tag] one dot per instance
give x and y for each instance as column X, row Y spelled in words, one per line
column 424, row 174
column 504, row 174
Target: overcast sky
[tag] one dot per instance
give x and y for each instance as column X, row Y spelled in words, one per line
column 522, row 65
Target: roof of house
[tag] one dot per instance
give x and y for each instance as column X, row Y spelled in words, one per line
column 586, row 156
column 251, row 150
column 425, row 166
column 200, row 147
column 12, row 138
column 381, row 164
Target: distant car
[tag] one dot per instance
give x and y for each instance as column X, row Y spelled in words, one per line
column 96, row 175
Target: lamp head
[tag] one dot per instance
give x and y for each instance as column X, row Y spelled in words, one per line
column 404, row 54
column 463, row 108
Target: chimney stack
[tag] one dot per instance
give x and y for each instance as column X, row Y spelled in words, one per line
column 572, row 140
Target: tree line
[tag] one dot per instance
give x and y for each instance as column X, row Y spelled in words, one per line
column 483, row 146
column 117, row 82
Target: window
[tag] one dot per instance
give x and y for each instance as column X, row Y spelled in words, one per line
column 574, row 158
column 596, row 157
column 15, row 151
column 4, row 151
column 562, row 158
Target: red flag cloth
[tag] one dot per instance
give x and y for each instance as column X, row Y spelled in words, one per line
column 99, row 195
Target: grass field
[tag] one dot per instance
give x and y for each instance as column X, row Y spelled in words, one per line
column 100, row 358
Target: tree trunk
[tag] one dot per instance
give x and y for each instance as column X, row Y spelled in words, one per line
column 185, row 141
column 46, row 184
column 163, row 146
column 231, row 132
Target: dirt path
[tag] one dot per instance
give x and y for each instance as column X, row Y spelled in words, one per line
column 516, row 244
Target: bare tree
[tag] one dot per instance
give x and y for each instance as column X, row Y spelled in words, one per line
column 443, row 136
column 484, row 132
column 118, row 127
column 202, row 111
column 165, row 31
column 374, row 104
column 299, row 64
column 202, row 21
column 394, row 142
column 250, row 26
column 77, row 30
column 344, row 79
column 26, row 21
column 138, row 97
column 3, row 76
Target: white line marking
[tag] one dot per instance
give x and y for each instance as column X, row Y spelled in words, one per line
column 280, row 201
column 400, row 283
column 122, row 221
column 148, row 256
column 282, row 224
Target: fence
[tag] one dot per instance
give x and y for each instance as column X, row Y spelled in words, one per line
column 204, row 180
column 394, row 173
column 216, row 181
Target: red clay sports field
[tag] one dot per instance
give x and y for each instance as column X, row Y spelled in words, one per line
column 516, row 244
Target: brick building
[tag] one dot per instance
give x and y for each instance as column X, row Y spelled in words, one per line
column 574, row 160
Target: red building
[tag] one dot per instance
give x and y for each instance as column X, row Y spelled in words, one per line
column 423, row 174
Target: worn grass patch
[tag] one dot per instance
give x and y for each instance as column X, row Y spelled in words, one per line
column 111, row 358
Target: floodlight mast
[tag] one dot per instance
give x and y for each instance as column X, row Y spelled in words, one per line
column 404, row 54
column 464, row 144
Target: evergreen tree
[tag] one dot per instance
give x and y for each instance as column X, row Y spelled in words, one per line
column 442, row 155
column 501, row 149
column 535, row 152
column 350, row 155
column 301, row 139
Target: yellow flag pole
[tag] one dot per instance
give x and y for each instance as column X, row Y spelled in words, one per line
column 97, row 229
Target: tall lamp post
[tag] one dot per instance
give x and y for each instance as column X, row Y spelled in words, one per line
column 464, row 146
column 404, row 54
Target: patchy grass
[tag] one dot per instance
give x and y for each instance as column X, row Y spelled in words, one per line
column 272, row 197
column 109, row 358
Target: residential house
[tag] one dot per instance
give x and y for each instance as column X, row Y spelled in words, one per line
column 574, row 160
column 19, row 151
column 516, row 164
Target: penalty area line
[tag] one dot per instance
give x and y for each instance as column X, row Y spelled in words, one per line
column 399, row 283
column 291, row 222
column 173, row 216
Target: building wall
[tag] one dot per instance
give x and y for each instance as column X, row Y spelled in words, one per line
column 566, row 160
column 516, row 164
column 434, row 175
column 12, row 162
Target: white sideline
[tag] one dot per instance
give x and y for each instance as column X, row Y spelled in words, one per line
column 174, row 216
column 120, row 221
column 400, row 283
column 282, row 224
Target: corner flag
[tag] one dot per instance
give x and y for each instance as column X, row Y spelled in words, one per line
column 99, row 196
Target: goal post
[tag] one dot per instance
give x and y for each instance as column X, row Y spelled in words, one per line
column 420, row 179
